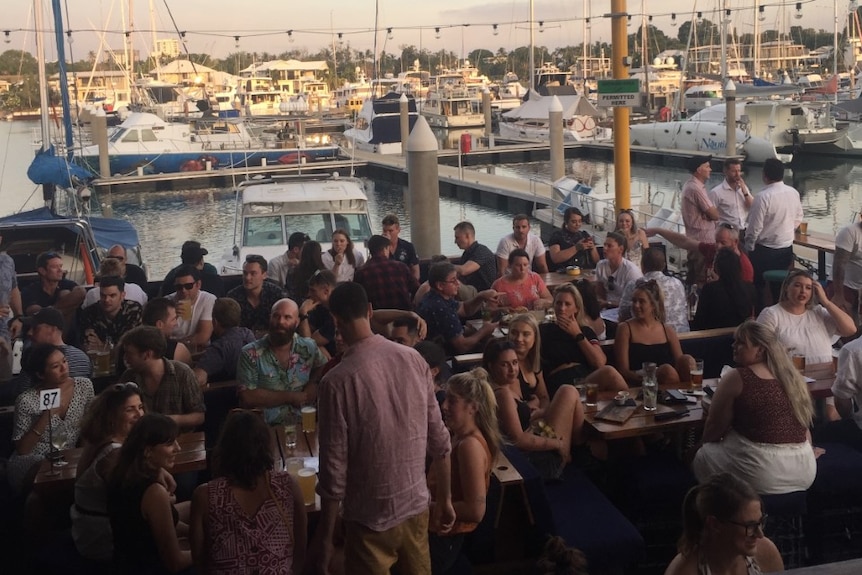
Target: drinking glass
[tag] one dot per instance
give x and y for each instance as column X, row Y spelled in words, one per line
column 799, row 362
column 650, row 389
column 592, row 394
column 290, row 432
column 307, row 478
column 696, row 374
column 309, row 419
column 59, row 439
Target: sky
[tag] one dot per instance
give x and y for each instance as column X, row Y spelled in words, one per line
column 262, row 24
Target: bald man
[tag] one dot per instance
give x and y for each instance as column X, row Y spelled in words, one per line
column 134, row 274
column 279, row 372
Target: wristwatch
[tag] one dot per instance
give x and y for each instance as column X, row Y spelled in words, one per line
column 303, row 317
column 580, row 337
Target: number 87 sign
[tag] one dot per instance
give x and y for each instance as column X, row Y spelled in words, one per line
column 49, row 399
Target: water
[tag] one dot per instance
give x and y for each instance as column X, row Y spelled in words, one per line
column 831, row 196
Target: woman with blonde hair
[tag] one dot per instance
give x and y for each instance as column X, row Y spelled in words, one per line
column 757, row 426
column 342, row 258
column 470, row 413
column 723, row 523
column 646, row 337
column 636, row 239
column 525, row 336
column 571, row 350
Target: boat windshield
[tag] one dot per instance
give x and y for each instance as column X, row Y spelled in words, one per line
column 268, row 230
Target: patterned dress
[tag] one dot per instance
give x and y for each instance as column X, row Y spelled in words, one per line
column 262, row 544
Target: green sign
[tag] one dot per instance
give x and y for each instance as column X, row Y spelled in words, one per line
column 628, row 86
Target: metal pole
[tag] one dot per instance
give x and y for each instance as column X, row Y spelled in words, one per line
column 622, row 147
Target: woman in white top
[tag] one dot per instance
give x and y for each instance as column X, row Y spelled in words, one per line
column 342, row 258
column 805, row 319
column 614, row 272
column 636, row 239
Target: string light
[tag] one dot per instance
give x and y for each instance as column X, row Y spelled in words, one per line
column 588, row 23
column 700, row 17
column 727, row 16
column 389, row 34
column 762, row 15
column 437, row 33
column 236, row 42
column 629, row 22
column 541, row 30
column 799, row 10
column 290, row 36
column 673, row 20
column 69, row 36
column 496, row 32
column 7, row 39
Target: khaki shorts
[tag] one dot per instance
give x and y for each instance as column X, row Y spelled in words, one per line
column 405, row 546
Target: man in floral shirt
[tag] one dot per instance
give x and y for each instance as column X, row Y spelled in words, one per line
column 280, row 371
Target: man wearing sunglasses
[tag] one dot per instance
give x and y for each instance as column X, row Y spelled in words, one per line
column 194, row 307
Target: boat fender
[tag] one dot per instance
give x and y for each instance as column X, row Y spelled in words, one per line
column 664, row 114
column 209, row 158
column 192, row 166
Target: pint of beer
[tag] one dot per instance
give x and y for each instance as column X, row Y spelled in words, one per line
column 309, row 419
column 184, row 307
column 697, row 374
column 307, row 477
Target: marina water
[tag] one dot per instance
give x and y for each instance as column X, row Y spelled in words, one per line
column 831, row 196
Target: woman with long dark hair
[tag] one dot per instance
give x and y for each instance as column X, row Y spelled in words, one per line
column 248, row 513
column 107, row 423
column 310, row 262
column 342, row 258
column 144, row 520
column 572, row 246
column 727, row 301
column 48, row 369
column 723, row 521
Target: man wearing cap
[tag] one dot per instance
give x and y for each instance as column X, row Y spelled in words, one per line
column 698, row 212
column 775, row 214
column 281, row 267
column 399, row 249
column 193, row 254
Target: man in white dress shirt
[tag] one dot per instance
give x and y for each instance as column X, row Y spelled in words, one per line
column 521, row 238
column 772, row 221
column 732, row 197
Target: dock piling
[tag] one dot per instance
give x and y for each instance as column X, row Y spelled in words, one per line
column 423, row 189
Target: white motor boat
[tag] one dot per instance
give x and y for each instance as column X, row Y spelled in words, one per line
column 378, row 126
column 268, row 211
column 702, row 136
column 530, row 119
column 453, row 105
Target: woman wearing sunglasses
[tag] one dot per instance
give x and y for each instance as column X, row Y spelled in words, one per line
column 614, row 272
column 107, row 423
column 723, row 523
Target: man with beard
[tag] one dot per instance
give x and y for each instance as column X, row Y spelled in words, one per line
column 280, row 371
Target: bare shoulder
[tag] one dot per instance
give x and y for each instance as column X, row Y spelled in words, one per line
column 768, row 557
column 682, row 565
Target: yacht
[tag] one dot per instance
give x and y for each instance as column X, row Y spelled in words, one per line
column 530, row 119
column 378, row 126
column 451, row 104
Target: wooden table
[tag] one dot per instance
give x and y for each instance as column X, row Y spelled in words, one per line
column 823, row 243
column 642, row 422
column 192, row 457
column 554, row 279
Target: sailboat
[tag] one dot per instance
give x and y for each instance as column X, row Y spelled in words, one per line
column 80, row 239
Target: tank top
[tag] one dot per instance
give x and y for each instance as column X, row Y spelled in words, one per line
column 659, row 353
column 262, row 544
column 457, row 491
column 135, row 549
column 762, row 411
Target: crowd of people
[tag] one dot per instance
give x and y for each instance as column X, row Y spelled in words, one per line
column 405, row 450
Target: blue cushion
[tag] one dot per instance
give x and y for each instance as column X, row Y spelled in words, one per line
column 585, row 518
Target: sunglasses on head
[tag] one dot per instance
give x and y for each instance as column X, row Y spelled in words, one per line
column 186, row 287
column 126, row 385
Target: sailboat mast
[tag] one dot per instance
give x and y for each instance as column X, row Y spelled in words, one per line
column 532, row 51
column 130, row 45
column 724, row 24
column 756, row 39
column 645, row 53
column 835, row 46
column 43, row 84
column 155, row 43
column 584, row 50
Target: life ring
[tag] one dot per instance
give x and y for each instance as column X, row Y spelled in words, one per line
column 192, row 166
column 579, row 125
column 589, row 124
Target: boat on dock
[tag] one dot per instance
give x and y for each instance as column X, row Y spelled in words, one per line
column 269, row 210
column 530, row 119
column 452, row 104
column 144, row 142
column 378, row 126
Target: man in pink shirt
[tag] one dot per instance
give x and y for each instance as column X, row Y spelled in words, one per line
column 698, row 212
column 376, row 426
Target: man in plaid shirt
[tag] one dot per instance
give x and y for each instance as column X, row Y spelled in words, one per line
column 388, row 283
